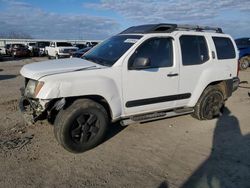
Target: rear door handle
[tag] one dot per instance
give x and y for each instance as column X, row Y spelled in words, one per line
column 172, row 74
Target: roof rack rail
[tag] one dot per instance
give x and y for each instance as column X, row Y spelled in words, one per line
column 199, row 28
column 168, row 28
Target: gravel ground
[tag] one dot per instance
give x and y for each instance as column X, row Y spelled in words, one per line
column 175, row 152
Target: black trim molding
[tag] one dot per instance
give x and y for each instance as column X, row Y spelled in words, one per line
column 141, row 102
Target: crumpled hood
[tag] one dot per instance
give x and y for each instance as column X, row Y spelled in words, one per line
column 37, row 70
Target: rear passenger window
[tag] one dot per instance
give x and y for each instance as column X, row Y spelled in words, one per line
column 193, row 49
column 224, row 48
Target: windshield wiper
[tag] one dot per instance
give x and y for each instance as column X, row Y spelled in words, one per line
column 99, row 61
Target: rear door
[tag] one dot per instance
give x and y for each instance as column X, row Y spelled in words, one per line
column 195, row 60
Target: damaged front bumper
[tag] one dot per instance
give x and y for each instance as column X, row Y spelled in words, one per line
column 37, row 109
column 31, row 110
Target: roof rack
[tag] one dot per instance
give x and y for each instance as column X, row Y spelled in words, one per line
column 168, row 28
column 199, row 28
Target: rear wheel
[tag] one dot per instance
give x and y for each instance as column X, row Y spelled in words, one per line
column 210, row 103
column 244, row 63
column 81, row 126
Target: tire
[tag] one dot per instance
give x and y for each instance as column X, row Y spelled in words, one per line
column 81, row 126
column 244, row 63
column 209, row 104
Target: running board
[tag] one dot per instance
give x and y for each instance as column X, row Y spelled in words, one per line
column 155, row 116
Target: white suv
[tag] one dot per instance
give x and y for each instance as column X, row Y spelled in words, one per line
column 144, row 73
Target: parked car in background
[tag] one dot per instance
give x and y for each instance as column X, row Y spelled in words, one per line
column 91, row 44
column 80, row 53
column 80, row 46
column 243, row 45
column 30, row 46
column 7, row 49
column 60, row 49
column 19, row 50
column 1, row 56
column 39, row 48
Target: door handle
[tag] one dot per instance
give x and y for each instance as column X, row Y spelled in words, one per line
column 172, row 74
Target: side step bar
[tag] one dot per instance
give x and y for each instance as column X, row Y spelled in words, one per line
column 156, row 115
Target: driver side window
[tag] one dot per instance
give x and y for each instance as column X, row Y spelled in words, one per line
column 159, row 51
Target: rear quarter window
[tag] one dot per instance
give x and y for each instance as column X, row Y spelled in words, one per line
column 224, row 48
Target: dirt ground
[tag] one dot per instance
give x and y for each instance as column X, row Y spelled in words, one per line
column 175, row 152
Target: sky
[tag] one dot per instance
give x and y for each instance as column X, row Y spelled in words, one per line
column 100, row 19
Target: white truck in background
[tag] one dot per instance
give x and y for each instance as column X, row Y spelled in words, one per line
column 59, row 49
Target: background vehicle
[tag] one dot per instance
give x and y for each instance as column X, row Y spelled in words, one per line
column 19, row 50
column 79, row 53
column 80, row 46
column 60, row 49
column 91, row 44
column 39, row 48
column 30, row 46
column 1, row 56
column 7, row 49
column 144, row 73
column 243, row 45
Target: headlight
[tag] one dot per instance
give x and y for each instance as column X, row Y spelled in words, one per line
column 38, row 88
column 33, row 87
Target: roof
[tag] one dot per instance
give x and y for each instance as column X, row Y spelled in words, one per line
column 168, row 28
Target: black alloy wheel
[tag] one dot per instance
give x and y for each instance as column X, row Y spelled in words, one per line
column 85, row 128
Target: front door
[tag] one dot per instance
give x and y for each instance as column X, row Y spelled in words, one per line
column 154, row 87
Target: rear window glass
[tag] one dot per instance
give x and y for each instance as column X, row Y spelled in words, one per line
column 224, row 48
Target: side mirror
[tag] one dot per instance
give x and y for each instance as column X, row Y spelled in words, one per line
column 141, row 63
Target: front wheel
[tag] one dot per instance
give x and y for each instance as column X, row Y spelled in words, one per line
column 81, row 126
column 209, row 104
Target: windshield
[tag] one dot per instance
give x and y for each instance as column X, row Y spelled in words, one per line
column 109, row 51
column 63, row 44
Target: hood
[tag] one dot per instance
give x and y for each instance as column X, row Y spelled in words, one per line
column 37, row 70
